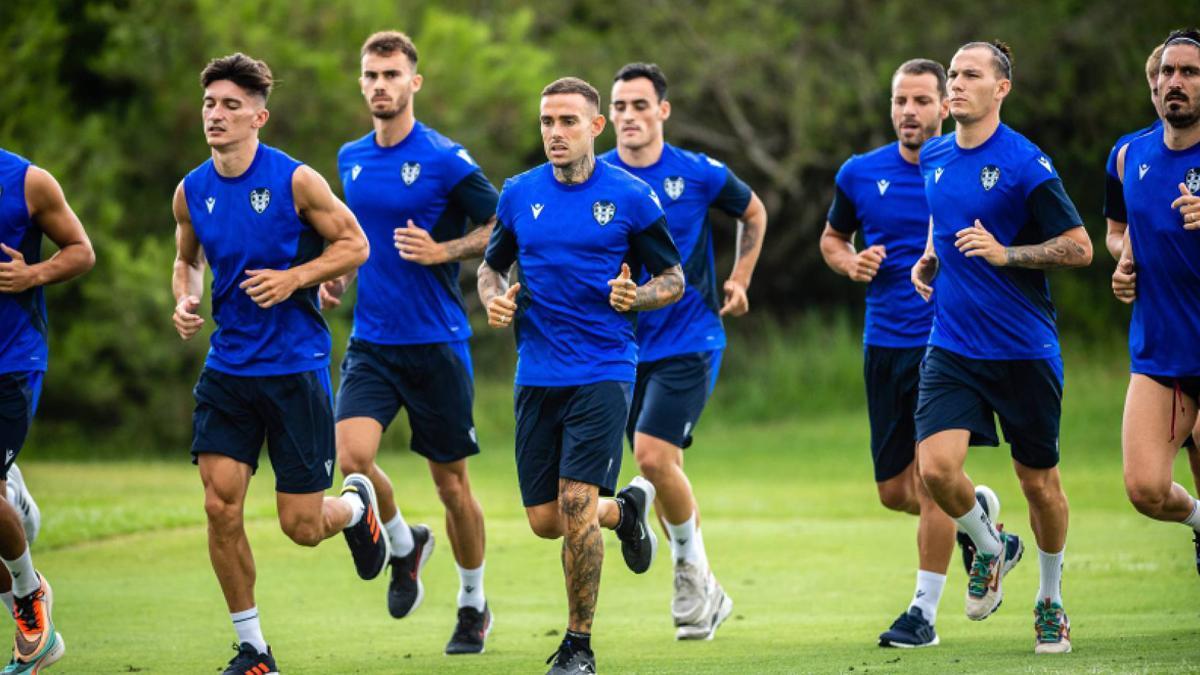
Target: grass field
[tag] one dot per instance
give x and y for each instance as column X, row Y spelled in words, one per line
column 815, row 566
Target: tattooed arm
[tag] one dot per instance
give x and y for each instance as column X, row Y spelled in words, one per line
column 751, row 228
column 1072, row 248
column 660, row 291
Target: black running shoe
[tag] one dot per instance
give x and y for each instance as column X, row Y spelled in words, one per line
column 638, row 542
column 567, row 661
column 406, row 591
column 472, row 629
column 910, row 630
column 368, row 542
column 1196, row 539
column 249, row 660
column 991, row 506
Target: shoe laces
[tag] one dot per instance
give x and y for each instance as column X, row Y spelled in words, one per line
column 246, row 654
column 981, row 571
column 561, row 657
column 465, row 629
column 25, row 612
column 1048, row 621
column 907, row 622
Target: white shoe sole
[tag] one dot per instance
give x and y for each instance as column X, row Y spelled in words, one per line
column 904, row 645
column 56, row 652
column 724, row 609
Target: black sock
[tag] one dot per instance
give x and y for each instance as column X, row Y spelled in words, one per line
column 578, row 641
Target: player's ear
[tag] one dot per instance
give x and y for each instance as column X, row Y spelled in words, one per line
column 416, row 82
column 664, row 110
column 945, row 108
column 261, row 117
column 598, row 121
column 1003, row 87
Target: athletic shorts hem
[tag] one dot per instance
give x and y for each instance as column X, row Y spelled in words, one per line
column 224, row 453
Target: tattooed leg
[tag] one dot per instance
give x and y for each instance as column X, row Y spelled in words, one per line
column 582, row 551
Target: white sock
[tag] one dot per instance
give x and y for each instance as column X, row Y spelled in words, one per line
column 928, row 594
column 25, row 580
column 470, row 587
column 357, row 508
column 400, row 535
column 1050, row 586
column 685, row 541
column 979, row 528
column 1193, row 521
column 7, row 598
column 248, row 629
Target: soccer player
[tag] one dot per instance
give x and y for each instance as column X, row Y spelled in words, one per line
column 680, row 346
column 579, row 230
column 882, row 195
column 413, row 190
column 999, row 215
column 1115, row 213
column 32, row 205
column 272, row 231
column 1163, row 213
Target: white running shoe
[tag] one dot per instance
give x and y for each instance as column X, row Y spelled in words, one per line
column 714, row 604
column 690, row 600
column 22, row 501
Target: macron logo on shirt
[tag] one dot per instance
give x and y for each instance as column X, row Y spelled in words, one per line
column 355, row 171
column 1142, row 171
column 210, row 203
column 937, row 174
column 883, row 185
column 1045, row 164
column 537, row 210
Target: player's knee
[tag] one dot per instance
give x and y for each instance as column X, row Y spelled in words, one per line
column 652, row 463
column 224, row 515
column 303, row 532
column 896, row 496
column 1147, row 498
column 937, row 475
column 546, row 528
column 452, row 490
column 352, row 462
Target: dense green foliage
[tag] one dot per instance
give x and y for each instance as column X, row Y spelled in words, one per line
column 104, row 94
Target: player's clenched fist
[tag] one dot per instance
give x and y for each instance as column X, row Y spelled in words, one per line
column 923, row 272
column 1189, row 207
column 1124, row 281
column 187, row 321
column 624, row 290
column 501, row 308
column 866, row 263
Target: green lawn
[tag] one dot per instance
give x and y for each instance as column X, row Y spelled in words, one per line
column 815, row 566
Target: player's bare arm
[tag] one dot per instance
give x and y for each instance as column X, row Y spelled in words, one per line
column 926, row 268
column 838, row 251
column 1072, row 248
column 1114, row 237
column 752, row 226
column 187, row 277
column 49, row 209
column 415, row 244
column 497, row 296
column 333, row 220
column 660, row 291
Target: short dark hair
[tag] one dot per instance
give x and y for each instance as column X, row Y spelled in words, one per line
column 924, row 67
column 248, row 73
column 650, row 71
column 1002, row 56
column 1183, row 36
column 573, row 85
column 388, row 42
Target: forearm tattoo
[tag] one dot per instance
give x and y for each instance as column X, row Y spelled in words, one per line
column 660, row 291
column 749, row 233
column 582, row 552
column 470, row 245
column 489, row 283
column 1061, row 251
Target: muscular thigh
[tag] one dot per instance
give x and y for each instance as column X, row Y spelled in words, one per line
column 1157, row 420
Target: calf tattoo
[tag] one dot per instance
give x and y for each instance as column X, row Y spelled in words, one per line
column 582, row 552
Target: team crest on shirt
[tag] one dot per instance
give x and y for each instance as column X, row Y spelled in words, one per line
column 989, row 176
column 260, row 198
column 603, row 211
column 673, row 186
column 410, row 172
column 1192, row 179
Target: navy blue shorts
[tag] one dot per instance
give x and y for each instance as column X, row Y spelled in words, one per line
column 1186, row 386
column 964, row 393
column 569, row 432
column 892, row 376
column 670, row 394
column 293, row 413
column 433, row 381
column 19, row 394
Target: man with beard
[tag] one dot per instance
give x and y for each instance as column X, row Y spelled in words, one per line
column 577, row 230
column 272, row 231
column 414, row 190
column 32, row 205
column 882, row 194
column 1162, row 246
column 680, row 346
column 999, row 215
